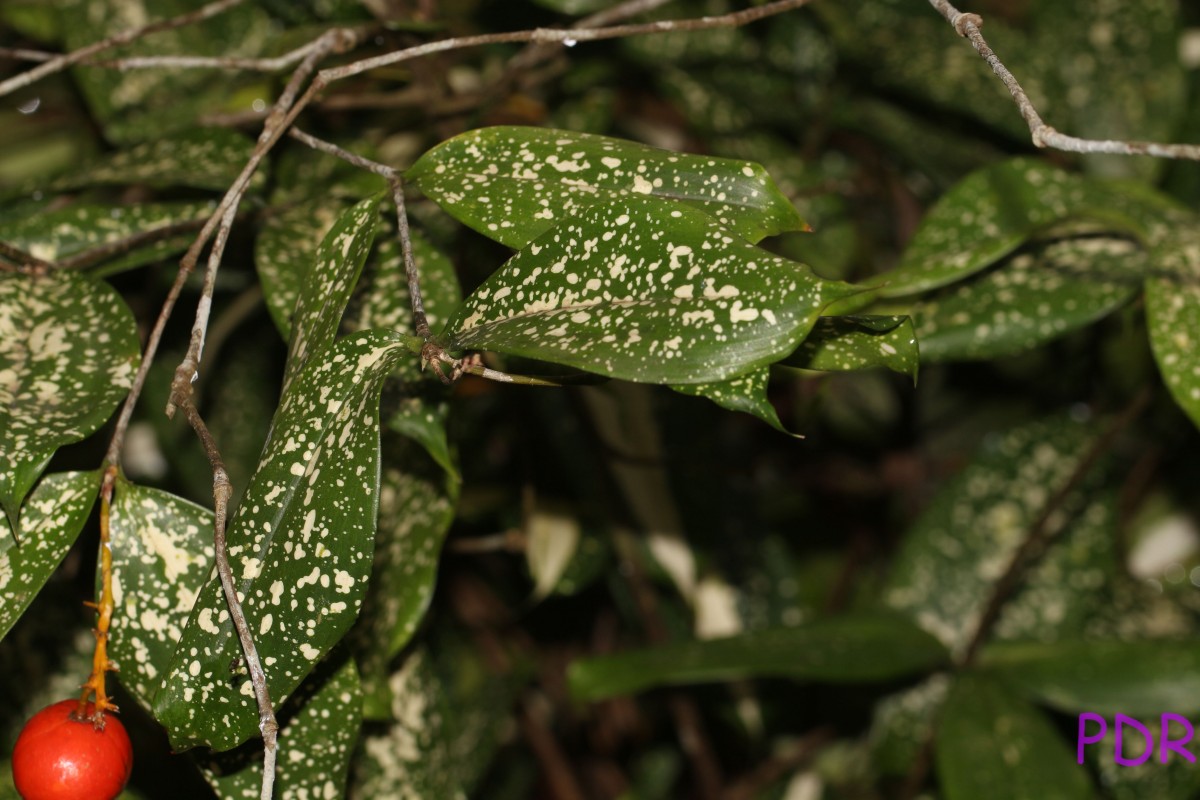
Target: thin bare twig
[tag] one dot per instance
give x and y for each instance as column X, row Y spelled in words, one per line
column 569, row 37
column 968, row 25
column 60, row 63
column 362, row 162
column 222, row 490
column 14, row 259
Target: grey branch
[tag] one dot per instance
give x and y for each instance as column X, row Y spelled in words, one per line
column 968, row 26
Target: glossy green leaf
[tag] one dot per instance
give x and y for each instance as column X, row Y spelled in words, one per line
column 56, row 235
column 318, row 733
column 200, row 158
column 144, row 104
column 300, row 544
column 746, row 393
column 838, row 344
column 513, row 184
column 981, row 220
column 964, row 540
column 839, row 649
column 1047, row 289
column 991, row 744
column 51, row 520
column 329, row 283
column 417, row 501
column 422, row 416
column 646, row 290
column 1104, row 677
column 68, row 352
column 162, row 555
column 283, row 253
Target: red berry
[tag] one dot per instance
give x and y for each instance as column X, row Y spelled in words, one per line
column 58, row 757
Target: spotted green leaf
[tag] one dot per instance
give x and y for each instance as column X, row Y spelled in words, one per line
column 320, row 726
column 1106, row 677
column 68, row 352
column 143, row 104
column 1046, row 289
column 447, row 714
column 283, row 254
column 1173, row 310
column 329, row 283
column 992, row 745
column 981, row 220
column 162, row 555
column 746, row 393
column 52, row 517
column 300, row 544
column 902, row 722
column 416, row 506
column 838, row 649
column 851, row 343
column 513, row 184
column 648, row 290
column 200, row 158
column 152, row 231
column 965, row 539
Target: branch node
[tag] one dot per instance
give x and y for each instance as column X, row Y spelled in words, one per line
column 961, row 21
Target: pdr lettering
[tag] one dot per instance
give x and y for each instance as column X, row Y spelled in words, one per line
column 1123, row 725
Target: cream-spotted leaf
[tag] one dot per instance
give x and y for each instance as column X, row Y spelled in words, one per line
column 513, row 184
column 301, row 545
column 319, row 728
column 981, row 220
column 647, row 290
column 53, row 515
column 746, row 393
column 417, row 500
column 153, row 231
column 144, row 104
column 838, row 344
column 68, row 352
column 283, row 254
column 447, row 714
column 201, row 158
column 1173, row 310
column 162, row 554
column 1047, row 289
column 962, row 543
column 329, row 282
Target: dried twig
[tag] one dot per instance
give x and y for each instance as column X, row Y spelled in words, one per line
column 222, row 490
column 968, row 25
column 59, row 63
column 569, row 37
column 14, row 259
